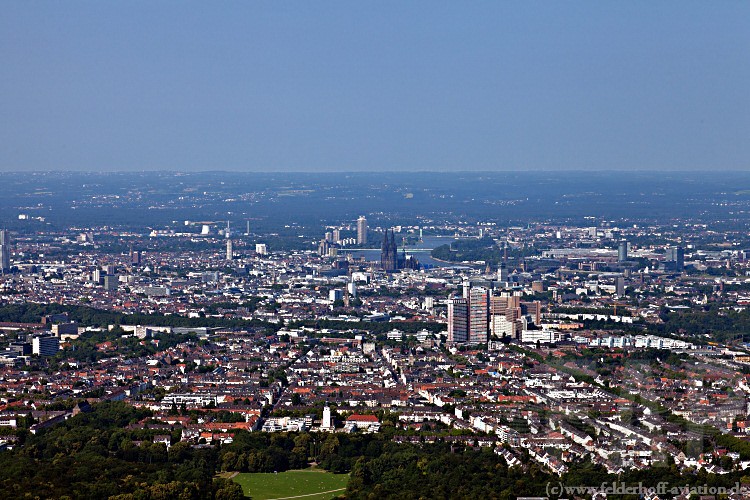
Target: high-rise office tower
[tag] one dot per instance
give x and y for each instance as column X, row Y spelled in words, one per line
column 505, row 314
column 479, row 314
column 622, row 251
column 337, row 235
column 323, row 247
column 458, row 321
column 362, row 231
column 677, row 256
column 620, row 286
column 45, row 345
column 110, row 282
column 4, row 251
column 533, row 310
column 501, row 326
column 230, row 250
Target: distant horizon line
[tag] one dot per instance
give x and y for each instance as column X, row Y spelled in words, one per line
column 400, row 171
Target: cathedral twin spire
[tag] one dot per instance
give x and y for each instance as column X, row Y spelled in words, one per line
column 389, row 252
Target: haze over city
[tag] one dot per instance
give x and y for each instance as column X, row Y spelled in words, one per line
column 338, row 86
column 345, row 251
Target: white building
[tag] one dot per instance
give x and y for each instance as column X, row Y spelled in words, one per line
column 327, row 421
column 396, row 335
column 365, row 423
column 189, row 399
column 362, row 230
column 542, row 336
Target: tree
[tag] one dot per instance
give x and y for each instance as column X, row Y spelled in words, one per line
column 330, row 445
column 226, row 489
column 229, row 461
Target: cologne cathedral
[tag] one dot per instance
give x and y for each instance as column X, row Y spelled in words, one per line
column 390, row 260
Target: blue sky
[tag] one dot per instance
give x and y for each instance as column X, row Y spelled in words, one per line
column 321, row 86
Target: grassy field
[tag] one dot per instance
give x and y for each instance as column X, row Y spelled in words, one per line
column 294, row 483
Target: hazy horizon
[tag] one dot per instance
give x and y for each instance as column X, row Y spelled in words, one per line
column 383, row 171
column 389, row 86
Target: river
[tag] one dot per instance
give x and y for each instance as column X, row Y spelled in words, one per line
column 421, row 251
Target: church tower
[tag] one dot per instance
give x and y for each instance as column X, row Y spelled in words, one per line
column 389, row 252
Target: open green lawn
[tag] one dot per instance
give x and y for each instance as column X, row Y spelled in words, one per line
column 293, row 483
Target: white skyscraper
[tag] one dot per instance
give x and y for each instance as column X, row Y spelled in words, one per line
column 362, row 231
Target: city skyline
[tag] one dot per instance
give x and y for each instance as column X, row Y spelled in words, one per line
column 346, row 250
column 523, row 326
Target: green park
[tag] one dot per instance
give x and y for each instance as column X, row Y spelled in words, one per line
column 308, row 484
